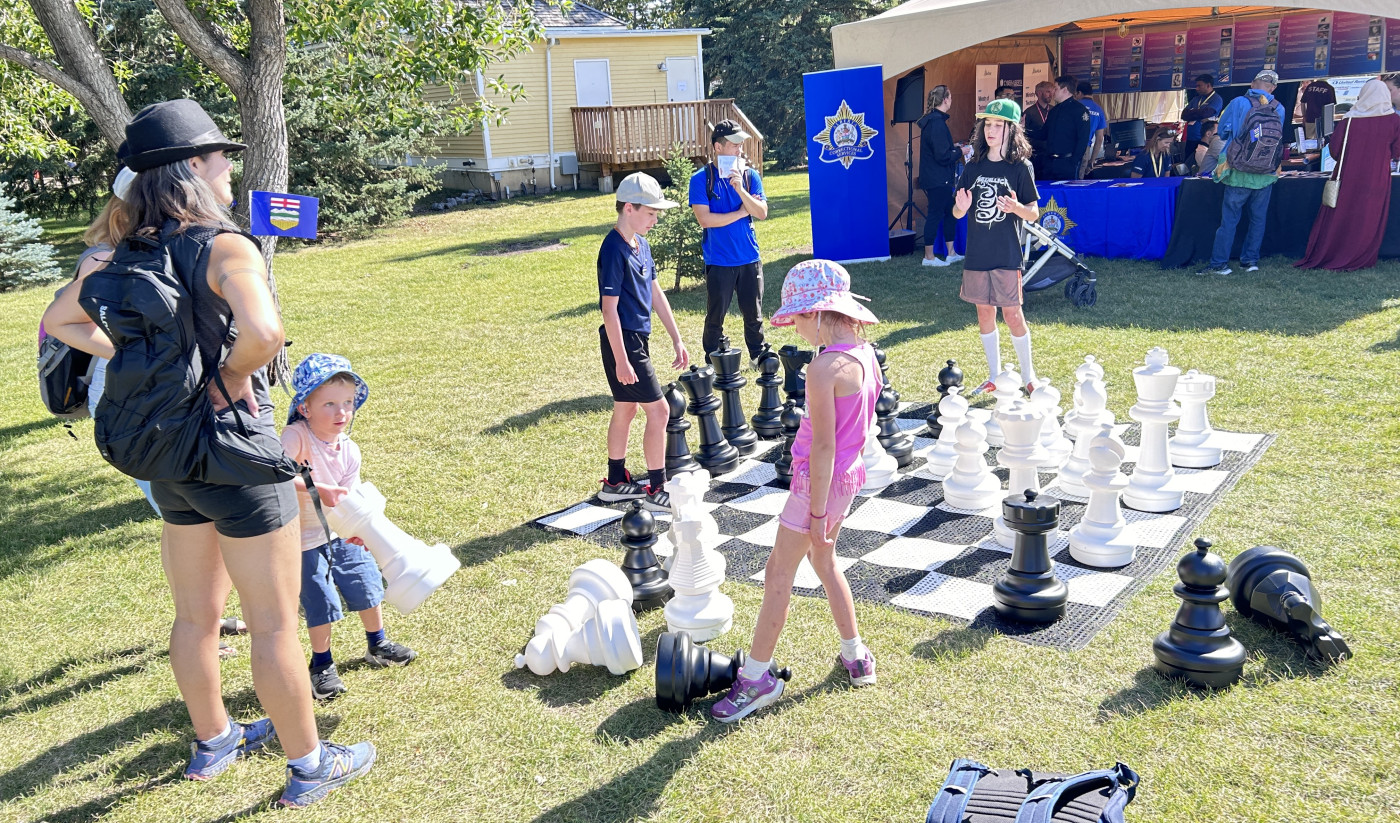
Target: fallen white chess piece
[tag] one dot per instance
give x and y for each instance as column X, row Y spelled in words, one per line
column 594, row 625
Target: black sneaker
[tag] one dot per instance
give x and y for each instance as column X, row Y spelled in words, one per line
column 1216, row 271
column 658, row 500
column 1251, row 267
column 390, row 653
column 620, row 492
column 326, row 683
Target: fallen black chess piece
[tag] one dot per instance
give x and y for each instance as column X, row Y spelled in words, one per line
column 1275, row 588
column 686, row 672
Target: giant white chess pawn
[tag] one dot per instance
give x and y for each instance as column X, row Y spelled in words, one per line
column 1052, row 439
column 696, row 572
column 1098, row 538
column 1007, row 389
column 1020, row 453
column 1092, row 416
column 881, row 469
column 1147, row 486
column 971, row 485
column 593, row 626
column 952, row 411
column 1189, row 447
column 1090, row 369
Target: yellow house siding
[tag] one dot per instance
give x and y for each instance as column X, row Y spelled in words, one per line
column 472, row 144
column 526, row 129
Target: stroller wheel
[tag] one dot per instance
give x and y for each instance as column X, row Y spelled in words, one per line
column 1086, row 296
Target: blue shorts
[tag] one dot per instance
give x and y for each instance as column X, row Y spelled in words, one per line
column 355, row 575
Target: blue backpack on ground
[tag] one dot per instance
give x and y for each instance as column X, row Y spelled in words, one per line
column 974, row 793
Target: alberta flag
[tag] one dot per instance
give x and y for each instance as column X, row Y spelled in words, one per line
column 284, row 215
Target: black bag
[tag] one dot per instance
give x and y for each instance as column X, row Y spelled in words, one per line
column 974, row 793
column 155, row 420
column 64, row 375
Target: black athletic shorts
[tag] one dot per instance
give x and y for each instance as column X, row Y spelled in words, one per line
column 647, row 389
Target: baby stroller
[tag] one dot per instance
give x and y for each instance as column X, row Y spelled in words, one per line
column 1056, row 263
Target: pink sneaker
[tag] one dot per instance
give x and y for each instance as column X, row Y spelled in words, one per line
column 862, row 671
column 983, row 389
column 746, row 697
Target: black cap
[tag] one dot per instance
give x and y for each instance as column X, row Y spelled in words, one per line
column 169, row 132
column 728, row 130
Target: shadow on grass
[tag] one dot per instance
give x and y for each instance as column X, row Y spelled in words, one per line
column 495, row 247
column 954, row 644
column 21, row 429
column 632, row 794
column 90, row 683
column 487, row 548
column 59, row 669
column 579, row 686
column 558, row 408
column 48, row 522
column 1385, row 346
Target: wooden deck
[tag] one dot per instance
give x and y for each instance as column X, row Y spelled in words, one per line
column 630, row 137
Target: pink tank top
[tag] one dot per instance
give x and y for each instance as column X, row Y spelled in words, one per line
column 854, row 414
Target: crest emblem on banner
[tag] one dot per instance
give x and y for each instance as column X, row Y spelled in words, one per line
column 285, row 212
column 845, row 138
column 1055, row 219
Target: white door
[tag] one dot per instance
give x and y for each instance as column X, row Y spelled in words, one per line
column 682, row 85
column 592, row 83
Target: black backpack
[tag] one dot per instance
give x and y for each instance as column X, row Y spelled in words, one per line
column 65, row 372
column 974, row 793
column 1258, row 148
column 155, row 420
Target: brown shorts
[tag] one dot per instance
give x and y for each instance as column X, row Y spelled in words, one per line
column 998, row 287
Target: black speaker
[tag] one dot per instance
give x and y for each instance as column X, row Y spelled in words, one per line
column 909, row 97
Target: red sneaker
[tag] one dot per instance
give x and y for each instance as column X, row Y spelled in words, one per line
column 983, row 389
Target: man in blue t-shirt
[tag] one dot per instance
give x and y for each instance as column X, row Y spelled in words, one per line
column 726, row 198
column 1098, row 126
column 1206, row 105
column 627, row 294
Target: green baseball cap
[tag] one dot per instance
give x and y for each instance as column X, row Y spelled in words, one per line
column 1002, row 110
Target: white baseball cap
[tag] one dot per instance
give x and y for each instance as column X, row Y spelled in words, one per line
column 121, row 187
column 641, row 189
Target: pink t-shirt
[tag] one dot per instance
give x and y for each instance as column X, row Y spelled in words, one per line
column 854, row 414
column 335, row 464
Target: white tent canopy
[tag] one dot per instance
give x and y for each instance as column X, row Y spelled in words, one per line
column 911, row 34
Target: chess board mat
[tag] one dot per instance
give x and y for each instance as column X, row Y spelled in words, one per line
column 902, row 546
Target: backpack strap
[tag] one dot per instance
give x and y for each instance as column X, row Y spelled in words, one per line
column 305, row 472
column 1039, row 805
column 951, row 802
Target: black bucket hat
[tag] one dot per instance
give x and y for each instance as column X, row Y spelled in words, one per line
column 171, row 131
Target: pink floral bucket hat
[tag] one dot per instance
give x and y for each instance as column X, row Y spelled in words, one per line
column 819, row 285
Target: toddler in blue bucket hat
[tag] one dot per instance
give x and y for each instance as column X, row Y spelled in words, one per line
column 327, row 396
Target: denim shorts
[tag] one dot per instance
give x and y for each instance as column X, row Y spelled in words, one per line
column 354, row 573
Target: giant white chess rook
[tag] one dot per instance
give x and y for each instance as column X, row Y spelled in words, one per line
column 1098, row 539
column 412, row 569
column 1189, row 448
column 696, row 572
column 1147, row 486
column 1092, row 417
column 1020, row 453
column 972, row 485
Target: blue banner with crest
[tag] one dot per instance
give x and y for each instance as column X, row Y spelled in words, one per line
column 845, row 110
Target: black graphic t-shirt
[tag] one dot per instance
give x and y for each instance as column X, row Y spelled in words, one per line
column 993, row 236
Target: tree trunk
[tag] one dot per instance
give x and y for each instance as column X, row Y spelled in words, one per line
column 86, row 74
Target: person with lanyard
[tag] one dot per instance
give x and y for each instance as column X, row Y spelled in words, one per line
column 1156, row 161
column 1206, row 105
column 1033, row 123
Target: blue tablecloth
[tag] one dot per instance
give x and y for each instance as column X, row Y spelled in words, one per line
column 1112, row 218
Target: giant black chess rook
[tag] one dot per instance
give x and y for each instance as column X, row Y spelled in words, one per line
column 686, row 672
column 1275, row 588
column 715, row 454
column 726, row 362
column 948, row 377
column 678, row 459
column 1198, row 647
column 650, row 588
column 792, row 417
column 767, row 421
column 795, row 362
column 1029, row 592
column 898, row 444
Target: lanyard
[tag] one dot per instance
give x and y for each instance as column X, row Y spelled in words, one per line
column 1156, row 164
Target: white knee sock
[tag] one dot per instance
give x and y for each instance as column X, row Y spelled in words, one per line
column 754, row 669
column 1023, row 355
column 991, row 344
column 853, row 649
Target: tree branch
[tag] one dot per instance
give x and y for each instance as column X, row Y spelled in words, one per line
column 46, row 70
column 208, row 43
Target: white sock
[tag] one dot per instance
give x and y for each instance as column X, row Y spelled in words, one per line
column 754, row 669
column 1023, row 355
column 991, row 344
column 853, row 649
column 308, row 763
column 222, row 737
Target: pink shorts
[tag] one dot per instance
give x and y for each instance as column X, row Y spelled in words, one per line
column 796, row 513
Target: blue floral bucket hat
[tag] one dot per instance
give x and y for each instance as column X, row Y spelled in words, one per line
column 315, row 370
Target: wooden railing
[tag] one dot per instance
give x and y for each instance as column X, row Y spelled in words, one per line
column 619, row 136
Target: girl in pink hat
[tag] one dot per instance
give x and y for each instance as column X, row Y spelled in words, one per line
column 843, row 383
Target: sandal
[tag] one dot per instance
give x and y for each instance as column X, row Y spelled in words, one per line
column 232, row 625
column 226, row 651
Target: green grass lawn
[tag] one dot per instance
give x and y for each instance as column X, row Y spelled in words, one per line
column 488, row 408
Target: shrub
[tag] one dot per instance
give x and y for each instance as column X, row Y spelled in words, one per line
column 23, row 260
column 675, row 241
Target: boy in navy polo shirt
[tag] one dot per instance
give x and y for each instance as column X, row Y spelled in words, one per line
column 726, row 198
column 627, row 293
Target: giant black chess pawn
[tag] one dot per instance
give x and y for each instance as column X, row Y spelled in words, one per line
column 686, row 672
column 899, row 444
column 1275, row 588
column 678, row 459
column 792, row 417
column 1029, row 592
column 715, row 454
column 726, row 362
column 650, row 588
column 767, row 421
column 795, row 362
column 948, row 377
column 1198, row 647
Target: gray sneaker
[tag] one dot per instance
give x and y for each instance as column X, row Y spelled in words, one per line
column 1248, row 267
column 326, row 683
column 1218, row 271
